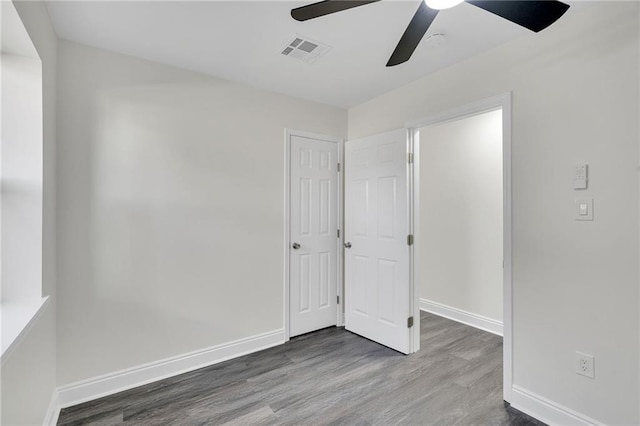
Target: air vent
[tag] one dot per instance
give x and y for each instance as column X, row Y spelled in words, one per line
column 304, row 49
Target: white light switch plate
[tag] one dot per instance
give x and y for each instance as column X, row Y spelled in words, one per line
column 580, row 176
column 584, row 209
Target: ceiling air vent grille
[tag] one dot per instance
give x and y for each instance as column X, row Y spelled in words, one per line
column 304, row 49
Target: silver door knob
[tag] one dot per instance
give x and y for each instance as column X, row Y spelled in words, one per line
column 347, row 245
column 295, row 246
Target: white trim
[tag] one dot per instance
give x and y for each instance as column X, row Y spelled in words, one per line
column 118, row 381
column 507, row 236
column 546, row 410
column 287, row 232
column 414, row 227
column 474, row 108
column 17, row 319
column 468, row 318
column 340, row 242
column 53, row 411
column 504, row 102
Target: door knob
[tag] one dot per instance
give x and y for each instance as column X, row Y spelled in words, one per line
column 295, row 246
column 347, row 245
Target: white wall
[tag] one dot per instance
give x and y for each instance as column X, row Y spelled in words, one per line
column 170, row 209
column 29, row 372
column 21, row 177
column 461, row 214
column 575, row 284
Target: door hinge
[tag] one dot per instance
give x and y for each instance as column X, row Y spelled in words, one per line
column 410, row 239
column 338, row 166
column 338, row 299
column 338, row 233
column 409, row 322
column 410, row 158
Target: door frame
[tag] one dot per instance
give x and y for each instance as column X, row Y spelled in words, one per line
column 502, row 101
column 288, row 133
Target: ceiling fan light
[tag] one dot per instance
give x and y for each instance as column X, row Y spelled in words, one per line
column 442, row 4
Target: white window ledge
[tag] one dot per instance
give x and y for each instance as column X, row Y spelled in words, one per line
column 15, row 320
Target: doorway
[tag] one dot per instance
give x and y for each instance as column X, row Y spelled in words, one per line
column 413, row 225
column 461, row 220
column 497, row 109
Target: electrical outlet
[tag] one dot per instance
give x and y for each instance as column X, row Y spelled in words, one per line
column 585, row 365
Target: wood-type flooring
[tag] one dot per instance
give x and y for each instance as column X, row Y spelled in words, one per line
column 330, row 376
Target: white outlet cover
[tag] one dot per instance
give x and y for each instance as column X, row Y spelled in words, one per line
column 585, row 365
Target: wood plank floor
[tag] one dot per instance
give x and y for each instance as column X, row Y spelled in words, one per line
column 329, row 377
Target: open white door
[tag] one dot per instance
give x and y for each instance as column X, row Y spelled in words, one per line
column 377, row 275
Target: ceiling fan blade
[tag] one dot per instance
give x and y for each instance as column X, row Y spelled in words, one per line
column 325, row 7
column 535, row 15
column 417, row 28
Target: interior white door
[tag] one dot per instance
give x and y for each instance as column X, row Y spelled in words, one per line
column 313, row 246
column 377, row 276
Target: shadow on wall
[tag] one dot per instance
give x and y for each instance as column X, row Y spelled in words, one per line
column 175, row 230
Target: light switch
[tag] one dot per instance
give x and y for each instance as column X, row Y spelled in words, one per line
column 580, row 176
column 584, row 209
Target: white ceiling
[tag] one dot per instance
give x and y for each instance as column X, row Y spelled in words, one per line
column 242, row 40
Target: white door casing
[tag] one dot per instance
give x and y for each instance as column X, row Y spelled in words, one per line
column 313, row 221
column 377, row 223
column 502, row 101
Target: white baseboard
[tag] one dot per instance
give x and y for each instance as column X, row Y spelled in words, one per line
column 547, row 411
column 474, row 320
column 53, row 411
column 118, row 381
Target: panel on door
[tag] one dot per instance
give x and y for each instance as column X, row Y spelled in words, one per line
column 313, row 251
column 377, row 278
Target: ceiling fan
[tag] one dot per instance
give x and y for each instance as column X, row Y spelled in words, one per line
column 536, row 15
